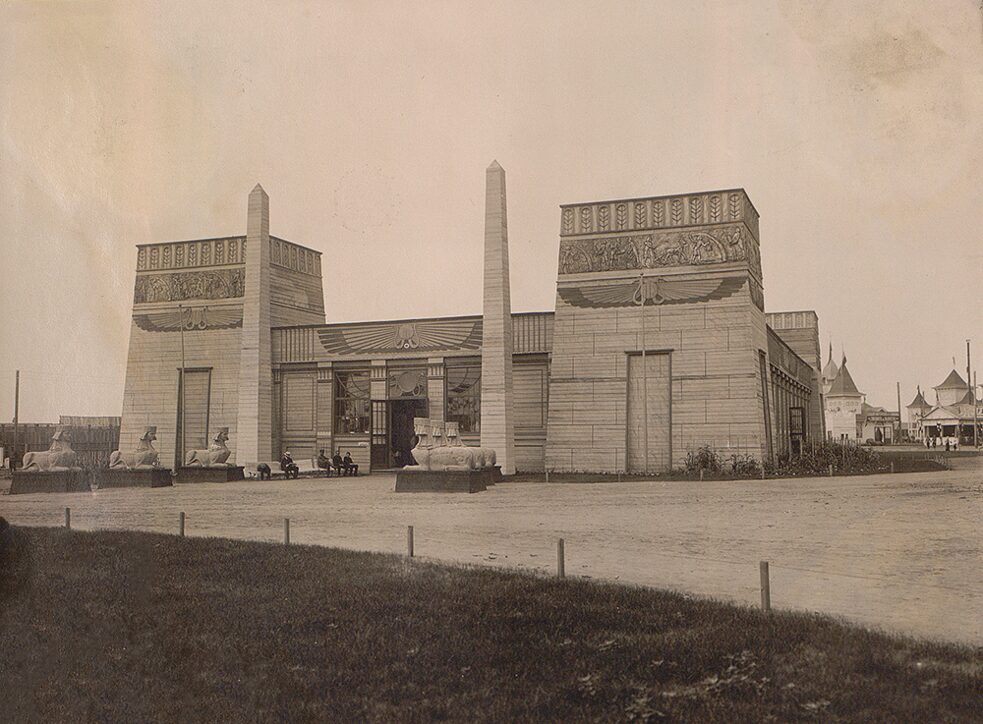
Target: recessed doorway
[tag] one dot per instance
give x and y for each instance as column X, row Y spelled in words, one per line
column 401, row 414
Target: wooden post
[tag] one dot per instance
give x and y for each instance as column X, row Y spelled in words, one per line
column 409, row 541
column 286, row 531
column 892, row 466
column 701, row 475
column 180, row 522
column 547, row 475
column 765, row 587
column 560, row 568
column 68, row 518
column 830, row 471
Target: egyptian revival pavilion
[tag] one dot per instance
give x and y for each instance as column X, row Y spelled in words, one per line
column 659, row 344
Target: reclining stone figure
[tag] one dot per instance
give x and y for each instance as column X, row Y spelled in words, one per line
column 216, row 456
column 439, row 447
column 145, row 457
column 58, row 458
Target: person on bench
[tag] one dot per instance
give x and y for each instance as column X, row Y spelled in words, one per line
column 350, row 467
column 324, row 462
column 288, row 466
column 338, row 464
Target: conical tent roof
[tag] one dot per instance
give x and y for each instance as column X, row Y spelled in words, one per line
column 843, row 385
column 953, row 381
column 919, row 401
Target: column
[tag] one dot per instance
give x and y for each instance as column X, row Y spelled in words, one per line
column 325, row 407
column 497, row 431
column 254, row 421
column 435, row 388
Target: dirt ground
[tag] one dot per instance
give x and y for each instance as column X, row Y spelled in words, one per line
column 901, row 552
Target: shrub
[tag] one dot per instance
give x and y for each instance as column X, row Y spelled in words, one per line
column 704, row 459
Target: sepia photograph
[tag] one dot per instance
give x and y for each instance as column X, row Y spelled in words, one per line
column 446, row 360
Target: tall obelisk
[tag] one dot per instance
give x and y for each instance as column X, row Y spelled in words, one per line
column 254, row 425
column 497, row 427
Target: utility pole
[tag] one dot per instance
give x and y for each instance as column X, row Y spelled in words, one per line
column 972, row 393
column 976, row 419
column 13, row 453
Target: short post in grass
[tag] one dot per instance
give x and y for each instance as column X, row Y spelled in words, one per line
column 701, row 475
column 180, row 523
column 892, row 466
column 68, row 518
column 409, row 541
column 560, row 567
column 830, row 471
column 765, row 587
column 286, row 531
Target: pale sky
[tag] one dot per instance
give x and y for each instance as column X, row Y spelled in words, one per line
column 856, row 128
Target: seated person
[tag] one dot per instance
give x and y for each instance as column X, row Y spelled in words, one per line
column 264, row 471
column 288, row 466
column 338, row 463
column 324, row 462
column 350, row 467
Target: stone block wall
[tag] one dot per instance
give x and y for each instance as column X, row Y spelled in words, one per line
column 695, row 260
column 150, row 394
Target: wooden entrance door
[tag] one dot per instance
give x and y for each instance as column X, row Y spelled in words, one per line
column 654, row 378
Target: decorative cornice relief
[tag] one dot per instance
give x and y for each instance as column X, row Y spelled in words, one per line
column 656, row 251
column 700, row 209
column 197, row 253
column 176, row 287
column 293, row 256
column 453, row 334
column 191, row 318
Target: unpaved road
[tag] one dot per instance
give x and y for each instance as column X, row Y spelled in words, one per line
column 902, row 552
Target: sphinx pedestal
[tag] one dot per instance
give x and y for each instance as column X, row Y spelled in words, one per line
column 135, row 478
column 443, row 481
column 224, row 474
column 50, row 481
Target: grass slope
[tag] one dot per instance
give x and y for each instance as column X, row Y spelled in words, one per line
column 134, row 627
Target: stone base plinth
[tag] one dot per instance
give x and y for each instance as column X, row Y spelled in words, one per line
column 65, row 481
column 224, row 474
column 442, row 481
column 122, row 478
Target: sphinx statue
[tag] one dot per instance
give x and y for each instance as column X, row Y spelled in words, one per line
column 145, row 457
column 439, row 447
column 57, row 458
column 216, row 456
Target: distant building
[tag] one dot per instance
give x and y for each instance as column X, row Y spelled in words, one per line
column 916, row 414
column 952, row 416
column 848, row 416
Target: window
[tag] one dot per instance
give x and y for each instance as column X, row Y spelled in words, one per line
column 351, row 401
column 464, row 396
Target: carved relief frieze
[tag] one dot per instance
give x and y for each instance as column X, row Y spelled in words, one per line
column 178, row 286
column 666, row 249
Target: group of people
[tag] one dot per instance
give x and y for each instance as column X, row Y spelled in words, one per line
column 950, row 443
column 341, row 465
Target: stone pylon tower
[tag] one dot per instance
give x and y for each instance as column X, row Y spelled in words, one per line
column 254, row 423
column 497, row 422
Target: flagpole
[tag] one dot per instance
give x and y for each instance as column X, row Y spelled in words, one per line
column 645, row 379
column 180, row 460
